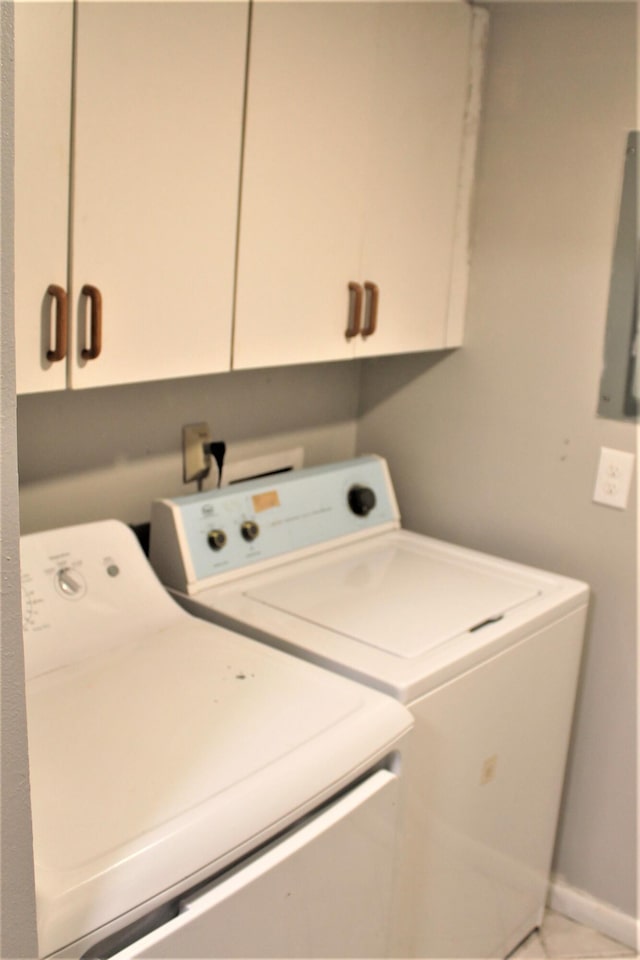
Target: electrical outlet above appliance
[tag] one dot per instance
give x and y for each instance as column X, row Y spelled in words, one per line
column 613, row 480
column 196, row 456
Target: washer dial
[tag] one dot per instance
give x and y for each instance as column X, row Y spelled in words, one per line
column 361, row 500
column 249, row 530
column 216, row 539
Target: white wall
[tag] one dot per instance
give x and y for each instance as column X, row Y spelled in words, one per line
column 496, row 445
column 17, row 898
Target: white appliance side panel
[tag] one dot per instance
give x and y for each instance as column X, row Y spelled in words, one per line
column 324, row 891
column 485, row 789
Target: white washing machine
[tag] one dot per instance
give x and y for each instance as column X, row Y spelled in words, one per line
column 194, row 793
column 484, row 652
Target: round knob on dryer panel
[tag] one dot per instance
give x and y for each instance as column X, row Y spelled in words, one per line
column 216, row 539
column 361, row 500
column 249, row 530
column 70, row 583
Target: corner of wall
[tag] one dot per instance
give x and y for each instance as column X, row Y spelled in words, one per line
column 18, row 937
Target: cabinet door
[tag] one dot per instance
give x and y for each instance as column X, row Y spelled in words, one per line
column 355, row 132
column 309, row 108
column 43, row 47
column 158, row 123
column 413, row 170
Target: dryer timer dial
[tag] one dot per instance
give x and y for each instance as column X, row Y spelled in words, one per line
column 70, row 583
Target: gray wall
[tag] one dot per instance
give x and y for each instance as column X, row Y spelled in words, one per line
column 17, row 899
column 107, row 452
column 496, row 446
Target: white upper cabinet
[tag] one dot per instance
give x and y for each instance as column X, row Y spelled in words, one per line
column 43, row 56
column 158, row 105
column 358, row 126
column 358, row 137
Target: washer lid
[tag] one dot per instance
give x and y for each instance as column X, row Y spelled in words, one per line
column 400, row 597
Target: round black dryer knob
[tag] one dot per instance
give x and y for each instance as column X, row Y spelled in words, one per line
column 361, row 500
column 216, row 539
column 249, row 530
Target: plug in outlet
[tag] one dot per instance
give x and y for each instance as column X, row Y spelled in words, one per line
column 196, row 458
column 613, row 480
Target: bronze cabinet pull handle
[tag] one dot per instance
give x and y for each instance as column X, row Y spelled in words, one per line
column 59, row 349
column 372, row 297
column 355, row 310
column 95, row 300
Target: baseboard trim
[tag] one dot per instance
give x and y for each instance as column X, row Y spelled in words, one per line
column 600, row 916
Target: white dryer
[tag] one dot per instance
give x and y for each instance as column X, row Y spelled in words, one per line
column 194, row 793
column 484, row 652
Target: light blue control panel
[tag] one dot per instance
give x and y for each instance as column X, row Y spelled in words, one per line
column 237, row 526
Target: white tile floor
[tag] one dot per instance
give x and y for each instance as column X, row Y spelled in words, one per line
column 560, row 939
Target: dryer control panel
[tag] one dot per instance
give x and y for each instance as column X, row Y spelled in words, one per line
column 85, row 589
column 199, row 539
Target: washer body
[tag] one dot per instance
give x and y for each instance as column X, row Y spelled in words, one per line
column 484, row 652
column 194, row 793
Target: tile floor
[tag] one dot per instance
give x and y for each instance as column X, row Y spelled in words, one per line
column 560, row 939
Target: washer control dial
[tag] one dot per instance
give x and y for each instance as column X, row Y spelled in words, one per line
column 361, row 500
column 216, row 539
column 249, row 530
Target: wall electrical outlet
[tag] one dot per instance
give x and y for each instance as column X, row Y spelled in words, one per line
column 613, row 480
column 196, row 458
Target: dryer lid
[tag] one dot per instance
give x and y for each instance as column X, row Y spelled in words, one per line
column 401, row 597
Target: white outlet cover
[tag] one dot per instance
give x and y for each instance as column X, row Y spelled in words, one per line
column 613, row 480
